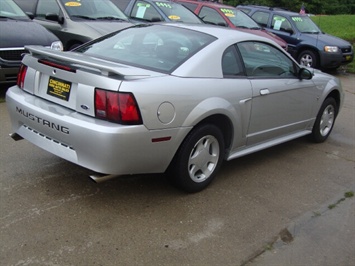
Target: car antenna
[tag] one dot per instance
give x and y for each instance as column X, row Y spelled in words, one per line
column 319, row 29
column 303, row 12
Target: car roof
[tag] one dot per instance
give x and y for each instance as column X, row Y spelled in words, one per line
column 206, row 3
column 276, row 10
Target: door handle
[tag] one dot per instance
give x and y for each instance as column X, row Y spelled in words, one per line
column 264, row 91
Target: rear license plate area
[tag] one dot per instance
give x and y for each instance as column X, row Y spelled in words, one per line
column 59, row 88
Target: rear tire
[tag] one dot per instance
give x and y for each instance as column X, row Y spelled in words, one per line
column 198, row 159
column 325, row 120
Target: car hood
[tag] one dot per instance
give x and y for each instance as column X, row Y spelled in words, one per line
column 18, row 33
column 327, row 39
column 105, row 27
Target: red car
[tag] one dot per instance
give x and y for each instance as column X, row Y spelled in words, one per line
column 228, row 16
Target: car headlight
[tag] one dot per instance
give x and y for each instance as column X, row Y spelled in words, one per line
column 57, row 46
column 331, row 49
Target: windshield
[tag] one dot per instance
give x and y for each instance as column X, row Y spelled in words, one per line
column 177, row 12
column 239, row 18
column 155, row 47
column 93, row 9
column 305, row 25
column 8, row 9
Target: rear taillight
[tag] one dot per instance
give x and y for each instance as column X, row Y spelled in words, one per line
column 21, row 76
column 119, row 107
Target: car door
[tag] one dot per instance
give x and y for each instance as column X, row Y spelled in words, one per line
column 282, row 27
column 281, row 102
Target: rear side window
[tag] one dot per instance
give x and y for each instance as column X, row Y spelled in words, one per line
column 231, row 64
column 261, row 17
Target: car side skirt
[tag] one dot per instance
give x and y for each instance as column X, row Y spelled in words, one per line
column 268, row 144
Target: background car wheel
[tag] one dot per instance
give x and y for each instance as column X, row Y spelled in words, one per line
column 198, row 159
column 325, row 120
column 308, row 58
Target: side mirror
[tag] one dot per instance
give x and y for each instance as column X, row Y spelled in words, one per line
column 223, row 24
column 155, row 19
column 289, row 30
column 305, row 73
column 54, row 17
column 30, row 15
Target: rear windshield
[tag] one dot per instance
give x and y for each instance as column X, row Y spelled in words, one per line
column 155, row 47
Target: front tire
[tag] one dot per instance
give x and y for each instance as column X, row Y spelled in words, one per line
column 198, row 159
column 308, row 58
column 325, row 120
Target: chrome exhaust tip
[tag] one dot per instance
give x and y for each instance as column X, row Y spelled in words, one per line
column 99, row 178
column 16, row 136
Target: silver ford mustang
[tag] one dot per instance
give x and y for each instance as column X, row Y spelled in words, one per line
column 175, row 98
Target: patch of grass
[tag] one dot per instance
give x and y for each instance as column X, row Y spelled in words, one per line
column 342, row 26
column 316, row 214
column 269, row 247
column 348, row 194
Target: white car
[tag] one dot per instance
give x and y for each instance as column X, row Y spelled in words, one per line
column 172, row 98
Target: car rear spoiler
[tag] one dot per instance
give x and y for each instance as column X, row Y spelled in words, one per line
column 105, row 68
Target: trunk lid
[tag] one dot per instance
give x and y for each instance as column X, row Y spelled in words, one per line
column 69, row 79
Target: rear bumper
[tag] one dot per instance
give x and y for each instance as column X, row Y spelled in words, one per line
column 98, row 145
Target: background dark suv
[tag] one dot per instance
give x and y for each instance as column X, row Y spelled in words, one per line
column 306, row 42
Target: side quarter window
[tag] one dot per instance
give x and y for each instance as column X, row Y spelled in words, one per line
column 231, row 63
column 261, row 18
column 45, row 7
column 264, row 60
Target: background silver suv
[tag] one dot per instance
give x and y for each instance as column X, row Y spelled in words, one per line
column 76, row 22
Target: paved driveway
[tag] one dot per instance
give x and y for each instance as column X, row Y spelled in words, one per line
column 51, row 213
